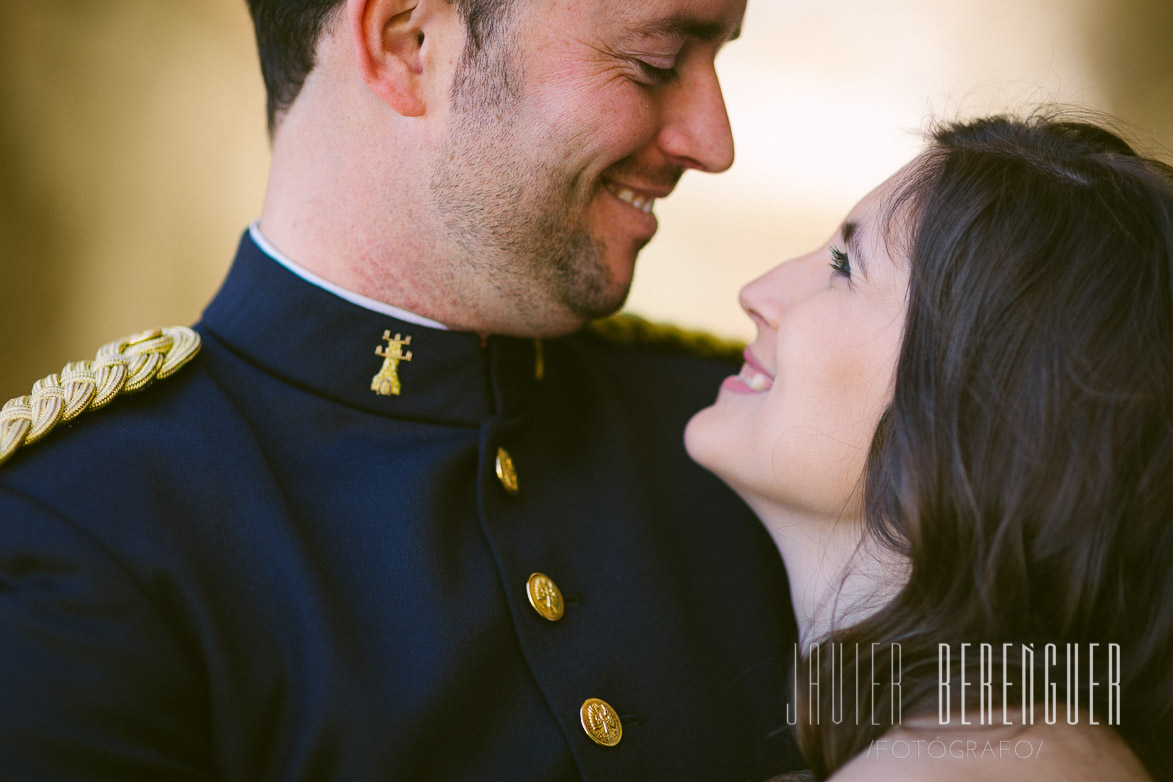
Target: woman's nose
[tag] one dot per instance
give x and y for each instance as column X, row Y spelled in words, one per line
column 767, row 298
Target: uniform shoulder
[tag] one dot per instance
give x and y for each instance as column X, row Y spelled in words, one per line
column 632, row 331
column 121, row 367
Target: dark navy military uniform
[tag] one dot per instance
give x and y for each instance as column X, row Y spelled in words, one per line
column 262, row 569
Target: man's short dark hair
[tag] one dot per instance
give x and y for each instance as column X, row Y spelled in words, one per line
column 287, row 34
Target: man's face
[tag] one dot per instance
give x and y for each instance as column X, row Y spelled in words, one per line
column 563, row 134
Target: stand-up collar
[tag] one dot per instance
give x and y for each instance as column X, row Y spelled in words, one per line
column 320, row 342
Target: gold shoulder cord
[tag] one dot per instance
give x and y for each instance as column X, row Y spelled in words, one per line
column 120, row 367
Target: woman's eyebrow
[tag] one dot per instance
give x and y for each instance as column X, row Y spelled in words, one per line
column 851, row 233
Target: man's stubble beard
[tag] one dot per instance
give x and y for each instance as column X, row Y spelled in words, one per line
column 514, row 208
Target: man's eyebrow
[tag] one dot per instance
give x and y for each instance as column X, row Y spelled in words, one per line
column 851, row 232
column 681, row 25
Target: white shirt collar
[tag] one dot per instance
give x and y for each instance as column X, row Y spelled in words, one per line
column 366, row 302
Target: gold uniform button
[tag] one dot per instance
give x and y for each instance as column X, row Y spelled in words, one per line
column 545, row 597
column 601, row 722
column 506, row 472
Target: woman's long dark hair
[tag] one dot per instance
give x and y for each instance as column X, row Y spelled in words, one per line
column 1025, row 465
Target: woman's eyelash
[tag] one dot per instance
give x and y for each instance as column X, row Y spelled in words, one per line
column 840, row 262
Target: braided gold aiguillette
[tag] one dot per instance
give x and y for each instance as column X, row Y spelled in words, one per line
column 120, row 367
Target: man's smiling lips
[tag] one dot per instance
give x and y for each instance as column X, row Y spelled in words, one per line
column 642, row 200
column 753, row 378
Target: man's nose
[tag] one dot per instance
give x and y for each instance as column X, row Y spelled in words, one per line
column 695, row 131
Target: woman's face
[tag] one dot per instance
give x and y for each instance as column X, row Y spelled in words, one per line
column 792, row 431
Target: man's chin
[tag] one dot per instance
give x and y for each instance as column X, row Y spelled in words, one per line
column 571, row 312
column 602, row 301
column 596, row 283
column 584, row 282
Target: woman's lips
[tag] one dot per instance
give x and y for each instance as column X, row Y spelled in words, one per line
column 752, row 379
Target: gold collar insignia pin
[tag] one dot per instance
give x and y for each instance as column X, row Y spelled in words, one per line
column 386, row 383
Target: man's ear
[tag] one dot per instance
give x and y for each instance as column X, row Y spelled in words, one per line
column 388, row 37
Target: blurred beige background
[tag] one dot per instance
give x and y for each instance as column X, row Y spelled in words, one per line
column 133, row 148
